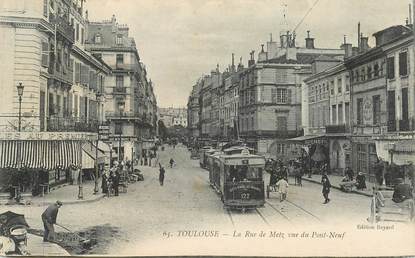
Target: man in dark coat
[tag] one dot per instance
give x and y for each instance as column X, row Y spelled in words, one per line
column 116, row 181
column 49, row 219
column 326, row 188
column 161, row 175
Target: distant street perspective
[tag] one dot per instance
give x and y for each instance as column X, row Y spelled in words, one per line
column 218, row 127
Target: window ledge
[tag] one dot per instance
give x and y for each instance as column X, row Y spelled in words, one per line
column 404, row 76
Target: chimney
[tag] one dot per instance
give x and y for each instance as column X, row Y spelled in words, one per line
column 272, row 48
column 358, row 35
column 252, row 60
column 309, row 42
column 262, row 56
column 348, row 49
column 364, row 44
column 233, row 62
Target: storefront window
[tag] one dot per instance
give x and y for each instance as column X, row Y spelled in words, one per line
column 362, row 158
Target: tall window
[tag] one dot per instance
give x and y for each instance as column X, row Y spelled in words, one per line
column 77, row 32
column 333, row 114
column 361, row 158
column 340, row 111
column 119, row 81
column 376, row 109
column 376, row 70
column 118, row 40
column 332, row 87
column 346, row 112
column 274, row 95
column 281, row 123
column 403, row 63
column 82, row 35
column 339, row 85
column 118, row 128
column 45, row 54
column 347, row 82
column 369, row 72
column 359, row 111
column 120, row 58
column 391, row 67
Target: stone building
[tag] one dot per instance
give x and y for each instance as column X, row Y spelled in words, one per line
column 193, row 109
column 129, row 97
column 270, row 95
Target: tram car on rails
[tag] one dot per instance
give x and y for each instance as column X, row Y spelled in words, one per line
column 238, row 178
column 203, row 154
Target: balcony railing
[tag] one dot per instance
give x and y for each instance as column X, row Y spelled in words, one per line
column 119, row 90
column 63, row 27
column 123, row 116
column 60, row 124
column 369, row 129
column 337, row 128
column 61, row 72
column 126, row 67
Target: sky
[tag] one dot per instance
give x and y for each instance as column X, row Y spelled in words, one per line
column 181, row 40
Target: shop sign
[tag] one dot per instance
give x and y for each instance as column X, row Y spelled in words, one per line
column 48, row 136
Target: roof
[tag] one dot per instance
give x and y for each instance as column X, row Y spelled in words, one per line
column 301, row 59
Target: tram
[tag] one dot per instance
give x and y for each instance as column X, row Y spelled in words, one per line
column 238, row 178
column 204, row 152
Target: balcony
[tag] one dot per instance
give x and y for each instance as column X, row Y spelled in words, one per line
column 61, row 124
column 369, row 129
column 63, row 27
column 337, row 129
column 60, row 72
column 123, row 116
column 119, row 90
column 121, row 67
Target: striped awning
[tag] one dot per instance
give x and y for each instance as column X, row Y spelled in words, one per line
column 40, row 154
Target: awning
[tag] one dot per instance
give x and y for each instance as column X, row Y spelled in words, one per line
column 403, row 150
column 40, row 154
column 305, row 138
column 89, row 154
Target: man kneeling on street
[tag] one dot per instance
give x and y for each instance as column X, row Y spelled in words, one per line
column 49, row 219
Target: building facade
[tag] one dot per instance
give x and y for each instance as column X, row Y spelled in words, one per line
column 129, row 96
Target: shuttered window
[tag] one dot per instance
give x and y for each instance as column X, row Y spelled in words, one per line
column 391, row 67
column 77, row 72
column 403, row 64
column 84, row 74
column 45, row 54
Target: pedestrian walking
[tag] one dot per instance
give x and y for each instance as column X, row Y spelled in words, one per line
column 282, row 185
column 171, row 162
column 104, row 184
column 326, row 188
column 116, row 181
column 161, row 175
column 49, row 219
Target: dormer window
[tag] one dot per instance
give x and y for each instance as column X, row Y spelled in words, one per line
column 98, row 39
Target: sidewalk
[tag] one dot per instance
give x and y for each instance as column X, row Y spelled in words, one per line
column 335, row 183
column 66, row 193
column 36, row 247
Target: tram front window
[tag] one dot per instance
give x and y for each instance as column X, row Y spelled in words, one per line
column 243, row 173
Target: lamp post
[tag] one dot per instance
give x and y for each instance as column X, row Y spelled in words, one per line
column 121, row 108
column 96, row 149
column 20, row 89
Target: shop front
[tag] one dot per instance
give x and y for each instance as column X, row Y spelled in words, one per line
column 364, row 156
column 30, row 159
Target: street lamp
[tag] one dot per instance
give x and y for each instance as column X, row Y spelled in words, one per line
column 96, row 147
column 20, row 89
column 121, row 108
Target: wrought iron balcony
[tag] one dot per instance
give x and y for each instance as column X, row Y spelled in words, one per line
column 122, row 116
column 337, row 128
column 119, row 90
column 60, row 72
column 63, row 27
column 126, row 67
column 61, row 124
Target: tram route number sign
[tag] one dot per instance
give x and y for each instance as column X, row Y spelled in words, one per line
column 104, row 132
